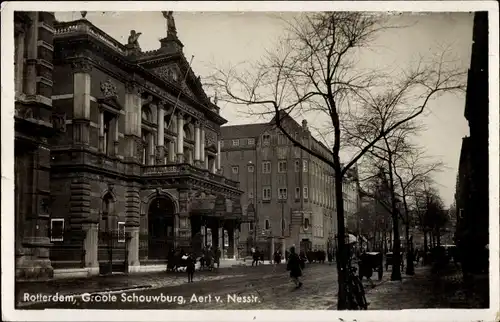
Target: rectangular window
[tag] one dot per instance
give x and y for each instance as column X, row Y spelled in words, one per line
column 282, row 166
column 266, row 166
column 121, row 232
column 297, row 165
column 266, row 193
column 251, row 141
column 282, row 194
column 305, row 192
column 236, row 142
column 235, row 169
column 305, row 165
column 57, row 229
column 250, row 226
column 297, row 192
column 281, row 138
column 266, row 139
column 251, row 168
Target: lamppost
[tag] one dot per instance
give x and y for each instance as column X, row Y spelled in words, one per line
column 283, row 198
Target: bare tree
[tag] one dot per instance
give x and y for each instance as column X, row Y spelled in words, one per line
column 413, row 170
column 313, row 70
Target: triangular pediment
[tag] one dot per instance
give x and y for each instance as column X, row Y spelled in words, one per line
column 174, row 71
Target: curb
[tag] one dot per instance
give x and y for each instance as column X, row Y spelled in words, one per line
column 79, row 295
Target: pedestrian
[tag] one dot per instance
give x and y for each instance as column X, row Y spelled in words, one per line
column 190, row 268
column 295, row 265
column 255, row 257
column 217, row 257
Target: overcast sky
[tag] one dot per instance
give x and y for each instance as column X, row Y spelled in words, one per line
column 230, row 38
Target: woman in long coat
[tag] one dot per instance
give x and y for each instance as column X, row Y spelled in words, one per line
column 294, row 265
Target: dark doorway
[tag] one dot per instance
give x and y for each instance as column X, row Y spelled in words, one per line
column 160, row 228
column 305, row 245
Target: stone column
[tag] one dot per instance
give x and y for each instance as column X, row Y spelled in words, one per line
column 180, row 137
column 132, row 225
column 133, row 248
column 160, row 153
column 171, row 151
column 81, row 101
column 133, row 122
column 202, row 148
column 102, row 148
column 235, row 243
column 19, row 76
column 218, row 156
column 90, row 245
column 213, row 168
column 152, row 149
column 197, row 137
column 220, row 233
column 116, row 128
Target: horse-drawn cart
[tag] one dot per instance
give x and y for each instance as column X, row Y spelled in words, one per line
column 374, row 260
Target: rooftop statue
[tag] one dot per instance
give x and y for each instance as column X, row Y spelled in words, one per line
column 171, row 30
column 133, row 39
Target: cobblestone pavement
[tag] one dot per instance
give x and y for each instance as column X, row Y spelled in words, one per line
column 425, row 290
column 263, row 287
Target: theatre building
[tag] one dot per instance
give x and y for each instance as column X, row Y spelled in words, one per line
column 135, row 166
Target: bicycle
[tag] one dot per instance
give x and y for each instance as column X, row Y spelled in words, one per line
column 355, row 291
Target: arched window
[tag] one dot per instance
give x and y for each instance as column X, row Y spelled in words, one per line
column 306, row 223
column 187, row 132
column 107, row 210
column 268, row 224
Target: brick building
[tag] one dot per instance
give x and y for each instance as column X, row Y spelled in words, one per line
column 134, row 167
column 290, row 193
column 472, row 194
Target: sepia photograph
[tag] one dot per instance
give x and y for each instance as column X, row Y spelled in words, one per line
column 192, row 159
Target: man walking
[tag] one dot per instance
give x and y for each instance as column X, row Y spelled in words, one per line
column 294, row 265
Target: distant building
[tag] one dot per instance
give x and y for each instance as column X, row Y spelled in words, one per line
column 472, row 193
column 290, row 191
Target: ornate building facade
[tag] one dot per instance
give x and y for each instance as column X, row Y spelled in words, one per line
column 134, row 168
column 288, row 195
column 34, row 126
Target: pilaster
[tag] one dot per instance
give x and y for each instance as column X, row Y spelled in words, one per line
column 218, row 155
column 80, row 190
column 133, row 123
column 133, row 203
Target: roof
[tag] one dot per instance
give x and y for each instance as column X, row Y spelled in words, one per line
column 244, row 130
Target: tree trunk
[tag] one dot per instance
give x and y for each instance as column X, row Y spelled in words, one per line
column 410, row 268
column 426, row 248
column 396, row 255
column 343, row 251
column 438, row 237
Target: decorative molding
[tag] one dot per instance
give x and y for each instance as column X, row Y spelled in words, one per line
column 108, row 89
column 59, row 121
column 81, row 66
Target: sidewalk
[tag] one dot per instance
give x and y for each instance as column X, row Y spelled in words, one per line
column 425, row 290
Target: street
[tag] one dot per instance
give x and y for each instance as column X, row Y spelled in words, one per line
column 264, row 287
